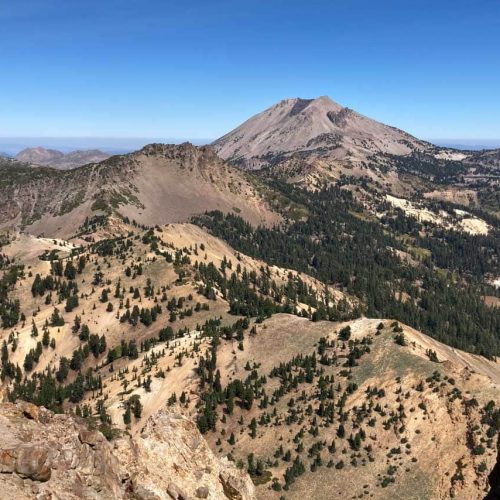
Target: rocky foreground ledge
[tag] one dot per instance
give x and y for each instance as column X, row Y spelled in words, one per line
column 55, row 456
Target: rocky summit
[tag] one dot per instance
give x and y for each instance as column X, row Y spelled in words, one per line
column 312, row 126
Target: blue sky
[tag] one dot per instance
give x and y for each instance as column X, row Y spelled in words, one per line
column 195, row 69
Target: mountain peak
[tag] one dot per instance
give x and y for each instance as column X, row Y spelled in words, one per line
column 39, row 154
column 320, row 99
column 313, row 127
column 299, row 104
column 326, row 100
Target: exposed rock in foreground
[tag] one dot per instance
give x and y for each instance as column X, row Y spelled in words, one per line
column 47, row 456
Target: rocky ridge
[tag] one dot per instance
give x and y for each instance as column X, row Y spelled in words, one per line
column 158, row 184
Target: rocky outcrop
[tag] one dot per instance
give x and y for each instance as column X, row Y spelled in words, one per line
column 52, row 456
column 171, row 460
column 44, row 455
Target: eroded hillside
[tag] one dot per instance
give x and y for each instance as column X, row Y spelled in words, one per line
column 156, row 185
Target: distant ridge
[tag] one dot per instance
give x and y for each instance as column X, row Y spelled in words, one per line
column 57, row 159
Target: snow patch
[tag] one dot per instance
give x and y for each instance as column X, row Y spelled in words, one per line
column 450, row 155
column 466, row 222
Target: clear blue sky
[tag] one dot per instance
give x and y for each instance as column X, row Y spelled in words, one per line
column 195, row 69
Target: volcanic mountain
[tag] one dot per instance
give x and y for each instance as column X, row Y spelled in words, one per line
column 317, row 142
column 318, row 127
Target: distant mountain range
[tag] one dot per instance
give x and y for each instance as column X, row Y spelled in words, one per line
column 58, row 159
column 467, row 145
column 309, row 142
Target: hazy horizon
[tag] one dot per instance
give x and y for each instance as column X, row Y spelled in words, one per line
column 120, row 145
column 113, row 145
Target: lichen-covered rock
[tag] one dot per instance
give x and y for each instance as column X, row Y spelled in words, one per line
column 33, row 462
column 43, row 455
column 49, row 456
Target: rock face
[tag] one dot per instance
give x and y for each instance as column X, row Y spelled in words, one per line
column 57, row 159
column 43, row 454
column 171, row 459
column 49, row 456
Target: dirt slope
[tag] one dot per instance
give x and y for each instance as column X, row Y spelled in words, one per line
column 418, row 439
column 410, row 417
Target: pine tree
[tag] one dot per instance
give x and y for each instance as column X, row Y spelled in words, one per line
column 253, row 428
column 46, row 338
column 56, row 319
column 127, row 415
